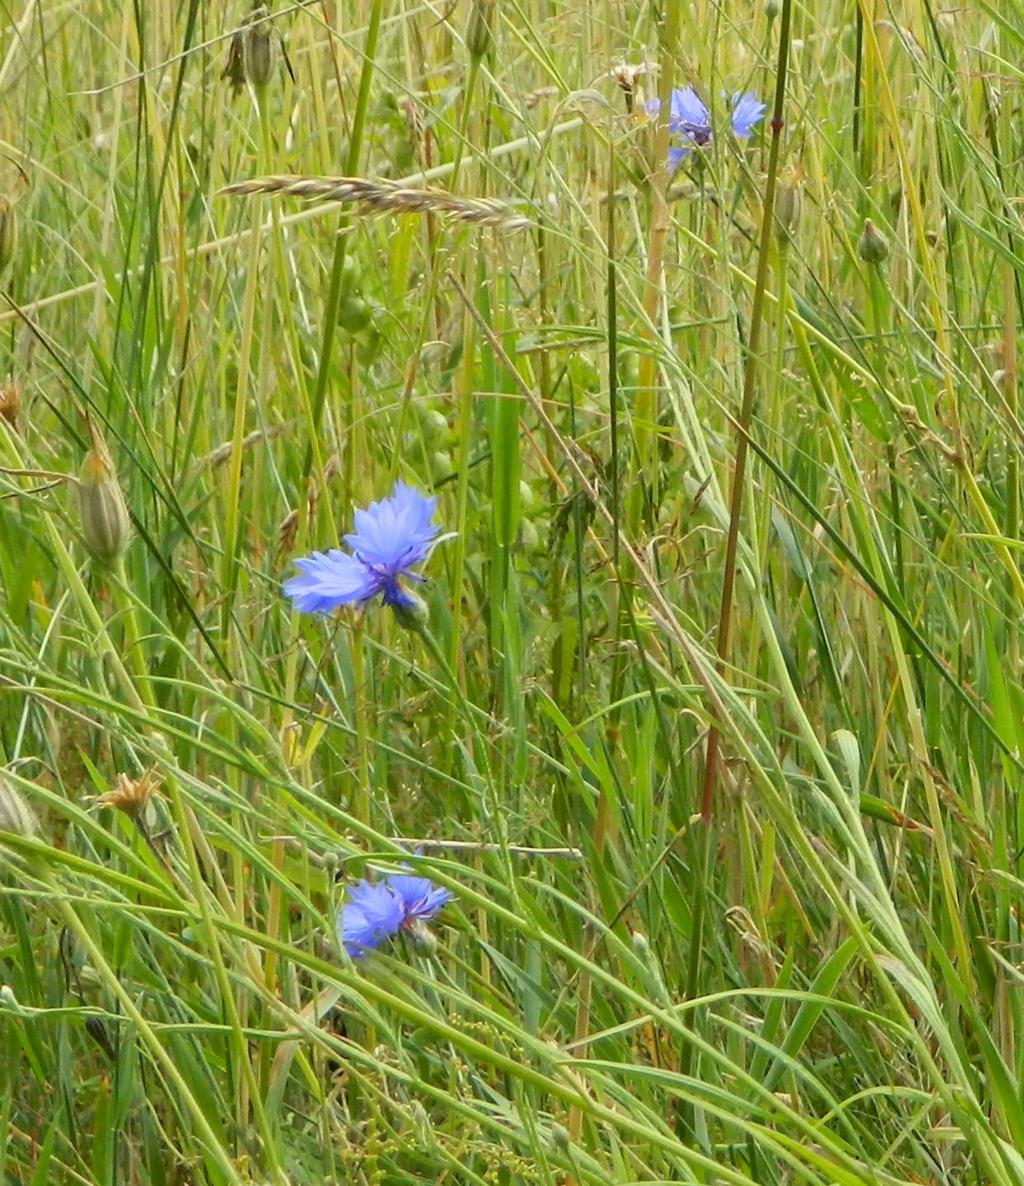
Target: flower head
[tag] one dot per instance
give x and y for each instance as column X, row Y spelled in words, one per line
column 372, row 913
column 690, row 120
column 375, row 911
column 391, row 537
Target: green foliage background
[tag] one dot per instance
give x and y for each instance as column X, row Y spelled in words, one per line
column 819, row 979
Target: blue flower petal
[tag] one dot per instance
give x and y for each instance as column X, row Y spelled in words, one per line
column 675, row 157
column 330, row 579
column 372, row 913
column 689, row 117
column 420, row 898
column 746, row 112
column 395, row 532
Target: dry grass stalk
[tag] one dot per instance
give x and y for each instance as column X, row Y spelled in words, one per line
column 380, row 197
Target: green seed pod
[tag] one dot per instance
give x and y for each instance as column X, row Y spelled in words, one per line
column 435, row 426
column 527, row 498
column 106, row 526
column 480, row 36
column 441, row 466
column 354, row 314
column 872, row 246
column 15, row 814
column 8, row 233
column 529, row 536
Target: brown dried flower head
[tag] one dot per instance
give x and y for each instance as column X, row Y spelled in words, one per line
column 130, row 795
column 10, row 402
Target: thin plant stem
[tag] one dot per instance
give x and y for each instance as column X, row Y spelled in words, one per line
column 743, row 421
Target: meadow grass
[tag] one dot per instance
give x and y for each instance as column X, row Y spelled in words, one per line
column 714, row 731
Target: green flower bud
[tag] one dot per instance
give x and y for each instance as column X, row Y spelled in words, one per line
column 480, row 36
column 412, row 612
column 15, row 814
column 872, row 246
column 106, row 527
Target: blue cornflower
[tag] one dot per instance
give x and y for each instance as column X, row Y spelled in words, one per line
column 690, row 119
column 420, row 897
column 375, row 911
column 372, row 913
column 391, row 536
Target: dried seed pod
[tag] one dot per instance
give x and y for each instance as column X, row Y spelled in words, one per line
column 251, row 52
column 106, row 526
column 788, row 203
column 234, row 67
column 258, row 49
column 130, row 795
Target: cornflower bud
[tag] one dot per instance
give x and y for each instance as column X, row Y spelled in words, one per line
column 106, row 527
column 872, row 246
column 411, row 611
column 480, row 36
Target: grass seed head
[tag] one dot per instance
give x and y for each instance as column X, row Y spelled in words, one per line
column 15, row 814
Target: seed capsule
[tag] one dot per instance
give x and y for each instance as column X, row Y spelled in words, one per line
column 106, row 526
